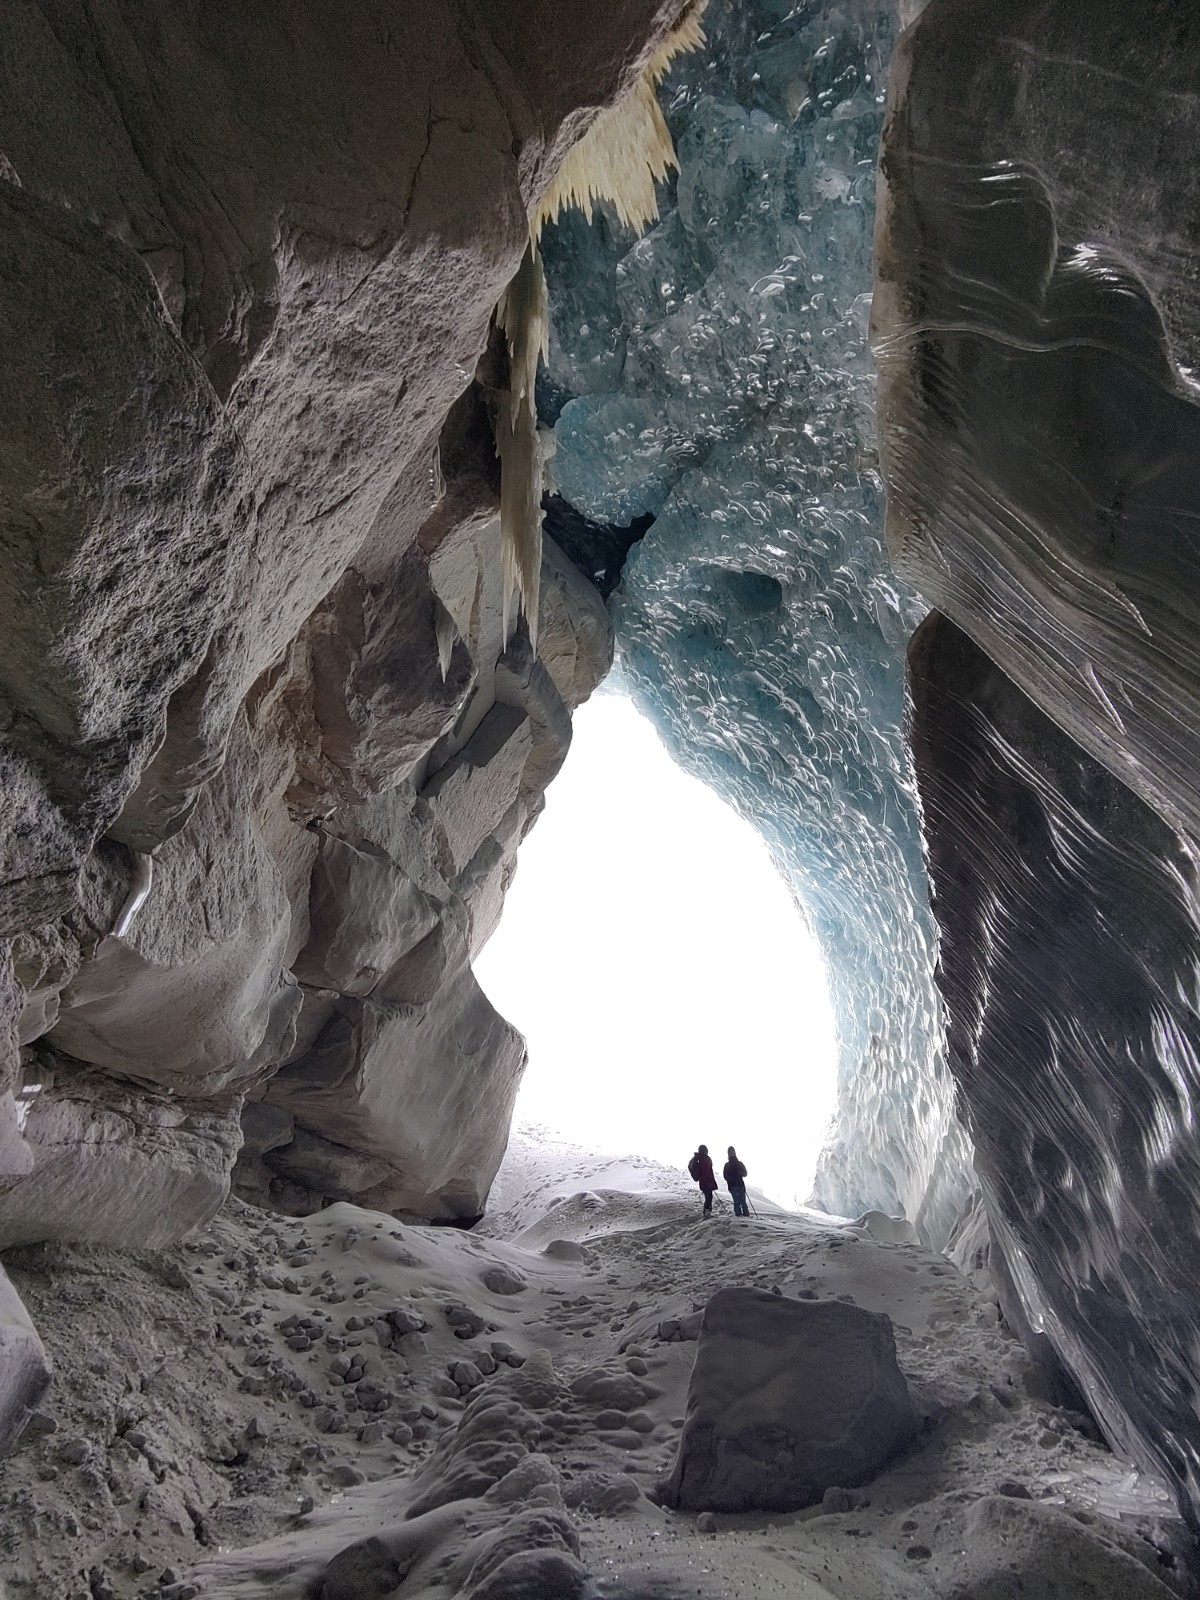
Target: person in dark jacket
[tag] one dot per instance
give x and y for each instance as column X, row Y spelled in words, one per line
column 701, row 1168
column 735, row 1181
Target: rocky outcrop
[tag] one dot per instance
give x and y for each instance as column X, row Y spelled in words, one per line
column 268, row 754
column 24, row 1370
column 787, row 1398
column 118, row 1163
column 1070, row 937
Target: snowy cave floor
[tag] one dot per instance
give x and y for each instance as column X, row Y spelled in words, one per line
column 192, row 1446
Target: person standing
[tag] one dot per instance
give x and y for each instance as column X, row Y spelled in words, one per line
column 701, row 1168
column 735, row 1181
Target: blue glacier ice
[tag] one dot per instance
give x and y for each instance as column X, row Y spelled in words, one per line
column 715, row 375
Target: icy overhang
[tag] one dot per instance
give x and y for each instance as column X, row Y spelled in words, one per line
column 715, row 376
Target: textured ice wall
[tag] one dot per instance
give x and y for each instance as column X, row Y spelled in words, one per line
column 1070, row 917
column 723, row 384
column 1038, row 332
column 1038, row 327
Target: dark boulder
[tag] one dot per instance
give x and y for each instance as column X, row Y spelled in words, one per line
column 787, row 1398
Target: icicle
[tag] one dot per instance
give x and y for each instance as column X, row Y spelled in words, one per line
column 624, row 153
column 523, row 317
column 446, row 633
column 628, row 148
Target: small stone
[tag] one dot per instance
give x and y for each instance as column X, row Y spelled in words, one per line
column 406, row 1321
column 503, row 1280
column 466, row 1375
column 401, row 1434
column 345, row 1476
column 306, row 1505
column 75, row 1452
column 918, row 1552
column 362, row 1571
column 299, row 1341
column 324, row 1419
column 836, row 1500
column 706, row 1522
column 1013, row 1490
column 637, row 1366
column 371, row 1434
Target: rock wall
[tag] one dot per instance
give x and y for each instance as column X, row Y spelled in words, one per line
column 1036, row 326
column 267, row 754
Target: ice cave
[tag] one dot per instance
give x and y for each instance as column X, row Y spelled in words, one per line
column 380, row 382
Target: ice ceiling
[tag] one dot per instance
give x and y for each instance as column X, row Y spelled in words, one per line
column 715, row 376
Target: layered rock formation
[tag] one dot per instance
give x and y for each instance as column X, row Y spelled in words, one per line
column 268, row 749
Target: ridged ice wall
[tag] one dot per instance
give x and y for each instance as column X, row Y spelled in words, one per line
column 1070, row 918
column 715, row 375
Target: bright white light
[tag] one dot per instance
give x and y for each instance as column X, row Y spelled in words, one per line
column 653, row 957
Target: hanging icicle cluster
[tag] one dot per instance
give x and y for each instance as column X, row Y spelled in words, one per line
column 523, row 316
column 625, row 152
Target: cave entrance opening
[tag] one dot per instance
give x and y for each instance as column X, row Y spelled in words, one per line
column 654, row 958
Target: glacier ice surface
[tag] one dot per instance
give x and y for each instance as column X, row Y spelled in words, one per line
column 715, row 375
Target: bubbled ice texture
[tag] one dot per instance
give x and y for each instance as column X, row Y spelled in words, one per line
column 724, row 385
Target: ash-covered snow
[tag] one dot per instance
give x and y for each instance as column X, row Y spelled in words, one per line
column 231, row 1415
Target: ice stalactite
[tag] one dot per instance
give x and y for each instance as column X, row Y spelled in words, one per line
column 523, row 318
column 628, row 150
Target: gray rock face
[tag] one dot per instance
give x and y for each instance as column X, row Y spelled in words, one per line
column 117, row 1164
column 1070, row 937
column 194, row 996
column 249, row 550
column 24, row 1369
column 1037, row 329
column 424, row 1092
column 787, row 1398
